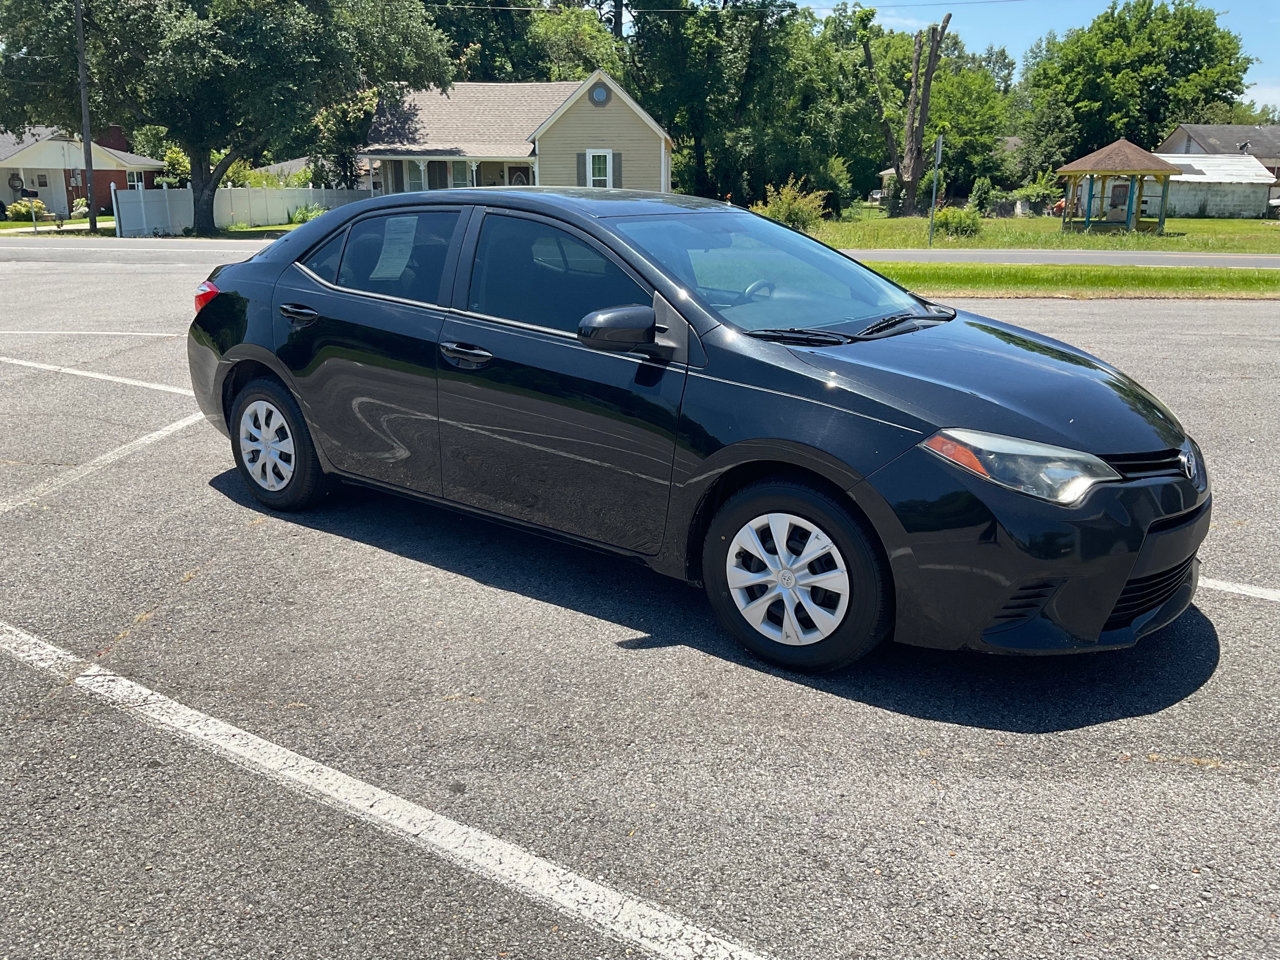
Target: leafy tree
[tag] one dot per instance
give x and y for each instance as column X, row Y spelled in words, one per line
column 340, row 131
column 972, row 116
column 1139, row 69
column 233, row 75
column 492, row 43
column 572, row 44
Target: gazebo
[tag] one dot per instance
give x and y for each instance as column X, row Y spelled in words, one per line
column 1128, row 165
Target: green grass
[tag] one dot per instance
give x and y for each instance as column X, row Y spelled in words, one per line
column 1181, row 235
column 52, row 226
column 1081, row 282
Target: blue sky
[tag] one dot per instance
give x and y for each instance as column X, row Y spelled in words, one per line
column 1017, row 24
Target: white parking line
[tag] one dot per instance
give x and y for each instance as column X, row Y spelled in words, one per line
column 94, row 465
column 86, row 333
column 98, row 376
column 1243, row 589
column 610, row 911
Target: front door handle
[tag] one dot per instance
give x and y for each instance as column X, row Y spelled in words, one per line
column 465, row 355
column 297, row 314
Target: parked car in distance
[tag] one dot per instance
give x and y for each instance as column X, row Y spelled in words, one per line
column 675, row 380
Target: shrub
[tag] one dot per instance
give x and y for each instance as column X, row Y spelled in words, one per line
column 80, row 209
column 307, row 212
column 1040, row 192
column 958, row 222
column 924, row 189
column 980, row 196
column 21, row 209
column 789, row 204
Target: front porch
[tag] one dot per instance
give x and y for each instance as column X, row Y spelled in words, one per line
column 407, row 174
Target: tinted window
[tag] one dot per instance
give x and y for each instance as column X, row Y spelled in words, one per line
column 535, row 273
column 400, row 256
column 324, row 262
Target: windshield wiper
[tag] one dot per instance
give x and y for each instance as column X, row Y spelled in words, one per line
column 800, row 337
column 894, row 320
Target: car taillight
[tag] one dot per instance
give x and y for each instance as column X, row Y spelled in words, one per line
column 204, row 293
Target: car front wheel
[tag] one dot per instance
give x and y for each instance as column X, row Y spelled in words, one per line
column 794, row 577
column 272, row 448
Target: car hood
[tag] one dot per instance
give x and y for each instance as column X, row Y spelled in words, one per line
column 985, row 375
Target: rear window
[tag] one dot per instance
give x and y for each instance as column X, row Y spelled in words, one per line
column 324, row 262
column 402, row 255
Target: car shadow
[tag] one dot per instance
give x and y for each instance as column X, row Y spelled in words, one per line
column 1014, row 694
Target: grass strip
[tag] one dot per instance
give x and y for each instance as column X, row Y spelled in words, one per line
column 1082, row 281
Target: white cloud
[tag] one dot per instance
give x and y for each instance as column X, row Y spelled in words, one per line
column 893, row 21
column 1266, row 90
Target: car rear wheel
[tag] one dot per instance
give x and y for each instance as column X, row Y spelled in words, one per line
column 272, row 448
column 795, row 578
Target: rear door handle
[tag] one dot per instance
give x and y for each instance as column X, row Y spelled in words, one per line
column 297, row 314
column 465, row 355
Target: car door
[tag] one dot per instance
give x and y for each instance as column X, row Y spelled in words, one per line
column 533, row 424
column 358, row 320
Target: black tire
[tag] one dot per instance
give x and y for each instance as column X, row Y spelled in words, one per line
column 867, row 608
column 306, row 483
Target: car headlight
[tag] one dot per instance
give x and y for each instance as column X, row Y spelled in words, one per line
column 1051, row 473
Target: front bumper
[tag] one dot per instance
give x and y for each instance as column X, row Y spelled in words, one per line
column 980, row 567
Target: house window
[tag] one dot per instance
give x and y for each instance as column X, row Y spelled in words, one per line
column 437, row 175
column 42, row 180
column 461, row 178
column 413, row 176
column 599, row 168
column 134, row 179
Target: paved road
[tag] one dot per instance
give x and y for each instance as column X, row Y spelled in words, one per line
column 926, row 805
column 1134, row 258
column 183, row 251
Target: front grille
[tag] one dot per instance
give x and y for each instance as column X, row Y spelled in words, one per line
column 1143, row 594
column 1140, row 466
column 1026, row 603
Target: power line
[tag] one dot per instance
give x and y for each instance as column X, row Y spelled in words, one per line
column 760, row 9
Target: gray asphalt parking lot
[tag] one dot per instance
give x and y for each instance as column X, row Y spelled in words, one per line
column 616, row 776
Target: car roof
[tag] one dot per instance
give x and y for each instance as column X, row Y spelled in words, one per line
column 567, row 203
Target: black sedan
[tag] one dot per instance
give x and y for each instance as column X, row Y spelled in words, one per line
column 730, row 402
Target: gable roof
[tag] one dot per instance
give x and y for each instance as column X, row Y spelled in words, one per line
column 1219, row 168
column 1120, row 157
column 587, row 84
column 471, row 120
column 11, row 143
column 1227, row 137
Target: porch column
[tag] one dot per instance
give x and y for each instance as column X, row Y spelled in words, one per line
column 1164, row 204
column 475, row 166
column 1088, row 207
column 1128, row 212
column 422, row 173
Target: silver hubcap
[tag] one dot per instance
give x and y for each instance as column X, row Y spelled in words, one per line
column 266, row 445
column 788, row 579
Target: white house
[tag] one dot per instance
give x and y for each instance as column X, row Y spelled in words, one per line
column 51, row 163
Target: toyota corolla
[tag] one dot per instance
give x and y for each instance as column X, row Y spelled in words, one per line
column 674, row 380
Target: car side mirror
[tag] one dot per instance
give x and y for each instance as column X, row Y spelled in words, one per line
column 619, row 329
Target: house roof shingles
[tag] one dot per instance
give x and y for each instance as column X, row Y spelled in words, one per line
column 11, row 144
column 1227, row 137
column 1219, row 168
column 471, row 120
column 1121, row 157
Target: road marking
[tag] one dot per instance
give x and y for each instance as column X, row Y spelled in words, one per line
column 1244, row 589
column 98, row 376
column 607, row 910
column 96, row 464
column 86, row 333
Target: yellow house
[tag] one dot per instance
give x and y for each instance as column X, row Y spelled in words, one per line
column 588, row 134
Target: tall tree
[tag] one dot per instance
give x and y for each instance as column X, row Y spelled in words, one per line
column 1139, row 69
column 233, row 75
column 908, row 159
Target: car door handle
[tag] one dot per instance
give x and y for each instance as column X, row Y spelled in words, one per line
column 297, row 314
column 465, row 355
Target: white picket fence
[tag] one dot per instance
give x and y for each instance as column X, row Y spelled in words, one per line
column 165, row 212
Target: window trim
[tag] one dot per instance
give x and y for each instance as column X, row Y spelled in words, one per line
column 608, row 168
column 467, row 261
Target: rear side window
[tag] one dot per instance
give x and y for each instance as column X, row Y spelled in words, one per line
column 399, row 256
column 538, row 274
column 324, row 262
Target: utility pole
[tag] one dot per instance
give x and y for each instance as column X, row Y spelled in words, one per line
column 84, row 118
column 933, row 206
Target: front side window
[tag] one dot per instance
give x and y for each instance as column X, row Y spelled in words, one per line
column 400, row 255
column 599, row 168
column 756, row 274
column 535, row 273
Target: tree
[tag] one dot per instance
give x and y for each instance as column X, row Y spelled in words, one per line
column 1139, row 69
column 233, row 75
column 971, row 115
column 571, row 44
column 908, row 160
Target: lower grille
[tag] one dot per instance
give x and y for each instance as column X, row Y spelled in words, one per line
column 1025, row 604
column 1140, row 466
column 1143, row 594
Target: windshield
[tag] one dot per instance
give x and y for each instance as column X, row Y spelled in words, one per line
column 757, row 274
